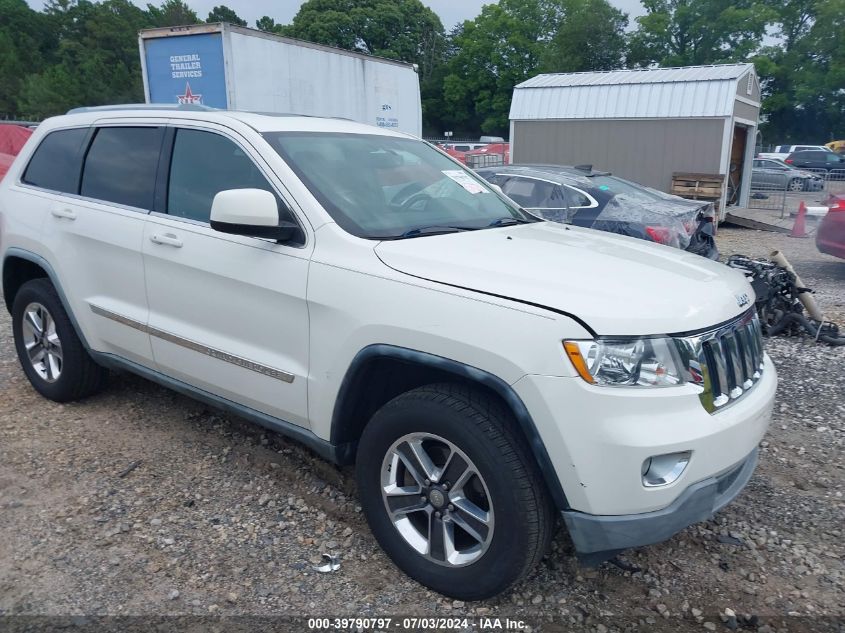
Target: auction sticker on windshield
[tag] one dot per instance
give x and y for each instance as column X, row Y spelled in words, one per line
column 464, row 180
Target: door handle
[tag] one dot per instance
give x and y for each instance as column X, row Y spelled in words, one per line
column 166, row 239
column 63, row 213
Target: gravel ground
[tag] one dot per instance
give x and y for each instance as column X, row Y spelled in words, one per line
column 139, row 501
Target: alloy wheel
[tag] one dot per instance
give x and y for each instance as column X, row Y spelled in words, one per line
column 42, row 343
column 437, row 499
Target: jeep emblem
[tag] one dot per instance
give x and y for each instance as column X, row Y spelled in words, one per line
column 742, row 300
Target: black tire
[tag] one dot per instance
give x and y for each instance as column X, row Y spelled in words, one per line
column 484, row 431
column 79, row 376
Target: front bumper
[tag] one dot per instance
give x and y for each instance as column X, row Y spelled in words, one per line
column 598, row 437
column 598, row 538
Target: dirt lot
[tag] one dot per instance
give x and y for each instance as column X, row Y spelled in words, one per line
column 142, row 502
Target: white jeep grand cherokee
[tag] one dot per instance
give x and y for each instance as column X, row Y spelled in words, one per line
column 358, row 290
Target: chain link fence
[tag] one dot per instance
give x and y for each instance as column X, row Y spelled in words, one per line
column 833, row 180
column 768, row 195
column 786, row 193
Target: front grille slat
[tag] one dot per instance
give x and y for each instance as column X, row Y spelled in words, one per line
column 732, row 359
column 734, row 363
column 754, row 355
column 720, row 371
column 745, row 356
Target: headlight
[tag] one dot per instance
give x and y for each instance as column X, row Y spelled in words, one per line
column 643, row 362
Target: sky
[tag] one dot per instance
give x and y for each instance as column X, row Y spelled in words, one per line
column 451, row 12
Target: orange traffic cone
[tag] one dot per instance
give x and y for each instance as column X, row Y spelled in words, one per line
column 799, row 229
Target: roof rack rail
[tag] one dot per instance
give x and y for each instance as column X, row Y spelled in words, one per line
column 143, row 106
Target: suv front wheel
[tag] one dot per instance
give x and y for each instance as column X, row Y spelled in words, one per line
column 50, row 352
column 451, row 492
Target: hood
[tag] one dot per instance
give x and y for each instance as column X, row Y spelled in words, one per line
column 808, row 174
column 616, row 285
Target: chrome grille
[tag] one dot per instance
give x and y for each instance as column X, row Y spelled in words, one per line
column 725, row 362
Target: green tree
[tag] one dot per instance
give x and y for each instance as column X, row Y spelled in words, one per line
column 398, row 29
column 266, row 23
column 96, row 61
column 225, row 14
column 514, row 40
column 588, row 35
column 695, row 32
column 802, row 79
column 27, row 39
column 501, row 47
column 172, row 13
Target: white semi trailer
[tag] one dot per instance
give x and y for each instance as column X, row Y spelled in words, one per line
column 236, row 68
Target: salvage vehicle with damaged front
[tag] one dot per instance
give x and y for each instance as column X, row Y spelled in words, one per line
column 359, row 291
column 598, row 200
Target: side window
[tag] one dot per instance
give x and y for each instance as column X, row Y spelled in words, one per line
column 521, row 191
column 204, row 164
column 497, row 179
column 121, row 165
column 56, row 163
column 833, row 158
column 535, row 194
column 550, row 196
column 577, row 199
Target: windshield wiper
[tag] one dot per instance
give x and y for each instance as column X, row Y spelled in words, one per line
column 429, row 230
column 510, row 222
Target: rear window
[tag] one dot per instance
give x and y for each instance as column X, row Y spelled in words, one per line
column 56, row 163
column 121, row 166
column 612, row 185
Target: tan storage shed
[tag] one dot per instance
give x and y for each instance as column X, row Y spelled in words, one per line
column 645, row 125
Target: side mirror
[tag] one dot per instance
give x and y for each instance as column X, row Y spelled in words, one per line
column 250, row 212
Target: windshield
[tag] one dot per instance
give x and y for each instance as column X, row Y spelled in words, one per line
column 384, row 187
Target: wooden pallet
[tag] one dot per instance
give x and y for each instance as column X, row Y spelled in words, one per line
column 698, row 186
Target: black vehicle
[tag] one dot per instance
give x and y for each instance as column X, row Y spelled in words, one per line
column 830, row 162
column 598, row 200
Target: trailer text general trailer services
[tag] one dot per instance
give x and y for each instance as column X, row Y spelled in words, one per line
column 227, row 66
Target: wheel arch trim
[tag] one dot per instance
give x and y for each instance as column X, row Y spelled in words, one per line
column 347, row 393
column 42, row 263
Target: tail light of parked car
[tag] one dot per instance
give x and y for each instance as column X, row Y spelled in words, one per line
column 836, row 204
column 659, row 234
column 788, row 161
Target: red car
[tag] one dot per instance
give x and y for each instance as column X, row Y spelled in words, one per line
column 12, row 139
column 830, row 238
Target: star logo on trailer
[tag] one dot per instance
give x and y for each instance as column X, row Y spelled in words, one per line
column 189, row 98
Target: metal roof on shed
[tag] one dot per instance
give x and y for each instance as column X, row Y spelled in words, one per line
column 694, row 91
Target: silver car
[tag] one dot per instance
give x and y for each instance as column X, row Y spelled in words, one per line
column 771, row 174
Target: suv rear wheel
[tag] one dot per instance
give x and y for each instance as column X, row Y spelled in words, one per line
column 451, row 491
column 51, row 354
